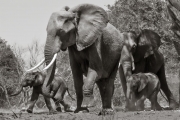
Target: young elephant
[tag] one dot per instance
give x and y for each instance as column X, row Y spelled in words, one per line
column 58, row 89
column 141, row 86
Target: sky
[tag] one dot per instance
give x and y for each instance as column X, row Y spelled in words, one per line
column 23, row 21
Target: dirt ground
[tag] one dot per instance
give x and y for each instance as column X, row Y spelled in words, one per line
column 92, row 115
column 42, row 114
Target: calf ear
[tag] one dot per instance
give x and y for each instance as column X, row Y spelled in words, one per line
column 143, row 82
column 39, row 79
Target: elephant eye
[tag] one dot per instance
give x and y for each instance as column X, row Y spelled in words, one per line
column 66, row 20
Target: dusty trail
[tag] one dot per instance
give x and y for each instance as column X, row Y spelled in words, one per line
column 43, row 115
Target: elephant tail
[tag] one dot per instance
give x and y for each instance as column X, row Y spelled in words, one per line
column 70, row 95
column 163, row 95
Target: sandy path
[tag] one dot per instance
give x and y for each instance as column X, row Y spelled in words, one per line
column 43, row 115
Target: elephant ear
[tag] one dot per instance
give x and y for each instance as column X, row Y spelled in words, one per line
column 143, row 82
column 39, row 79
column 148, row 42
column 91, row 20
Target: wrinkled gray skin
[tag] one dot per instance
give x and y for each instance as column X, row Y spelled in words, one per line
column 94, row 47
column 58, row 89
column 147, row 58
column 141, row 86
column 175, row 3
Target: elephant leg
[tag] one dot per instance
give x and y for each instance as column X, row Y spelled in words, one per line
column 78, row 81
column 78, row 84
column 106, row 89
column 58, row 107
column 89, row 82
column 123, row 83
column 162, row 77
column 67, row 107
column 59, row 97
column 34, row 98
column 48, row 104
column 154, row 104
column 130, row 102
column 140, row 103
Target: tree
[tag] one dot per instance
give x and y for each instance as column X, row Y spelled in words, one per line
column 10, row 70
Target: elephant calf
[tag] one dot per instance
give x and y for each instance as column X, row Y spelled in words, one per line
column 141, row 86
column 58, row 89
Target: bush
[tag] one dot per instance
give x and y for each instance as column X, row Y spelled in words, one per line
column 10, row 70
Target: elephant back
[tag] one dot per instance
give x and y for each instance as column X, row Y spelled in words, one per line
column 112, row 37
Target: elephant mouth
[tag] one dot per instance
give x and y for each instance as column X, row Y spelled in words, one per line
column 63, row 49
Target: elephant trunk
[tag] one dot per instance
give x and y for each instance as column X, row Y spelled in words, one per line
column 18, row 92
column 130, row 99
column 128, row 92
column 51, row 48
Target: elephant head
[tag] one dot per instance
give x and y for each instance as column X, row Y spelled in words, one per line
column 148, row 41
column 79, row 27
column 135, row 84
column 30, row 79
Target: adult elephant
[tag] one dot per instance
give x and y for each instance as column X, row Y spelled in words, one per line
column 94, row 47
column 140, row 54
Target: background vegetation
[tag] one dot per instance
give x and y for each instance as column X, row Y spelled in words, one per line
column 126, row 15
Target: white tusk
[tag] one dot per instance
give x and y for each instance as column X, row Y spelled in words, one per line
column 40, row 63
column 132, row 60
column 52, row 61
column 119, row 65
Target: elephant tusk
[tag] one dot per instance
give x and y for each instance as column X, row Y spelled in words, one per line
column 119, row 65
column 133, row 66
column 52, row 61
column 132, row 60
column 40, row 63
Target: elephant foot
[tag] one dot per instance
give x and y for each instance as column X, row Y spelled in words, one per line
column 59, row 109
column 173, row 105
column 87, row 100
column 106, row 111
column 158, row 107
column 83, row 109
column 52, row 112
column 29, row 110
column 91, row 104
column 68, row 109
column 130, row 108
column 140, row 109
